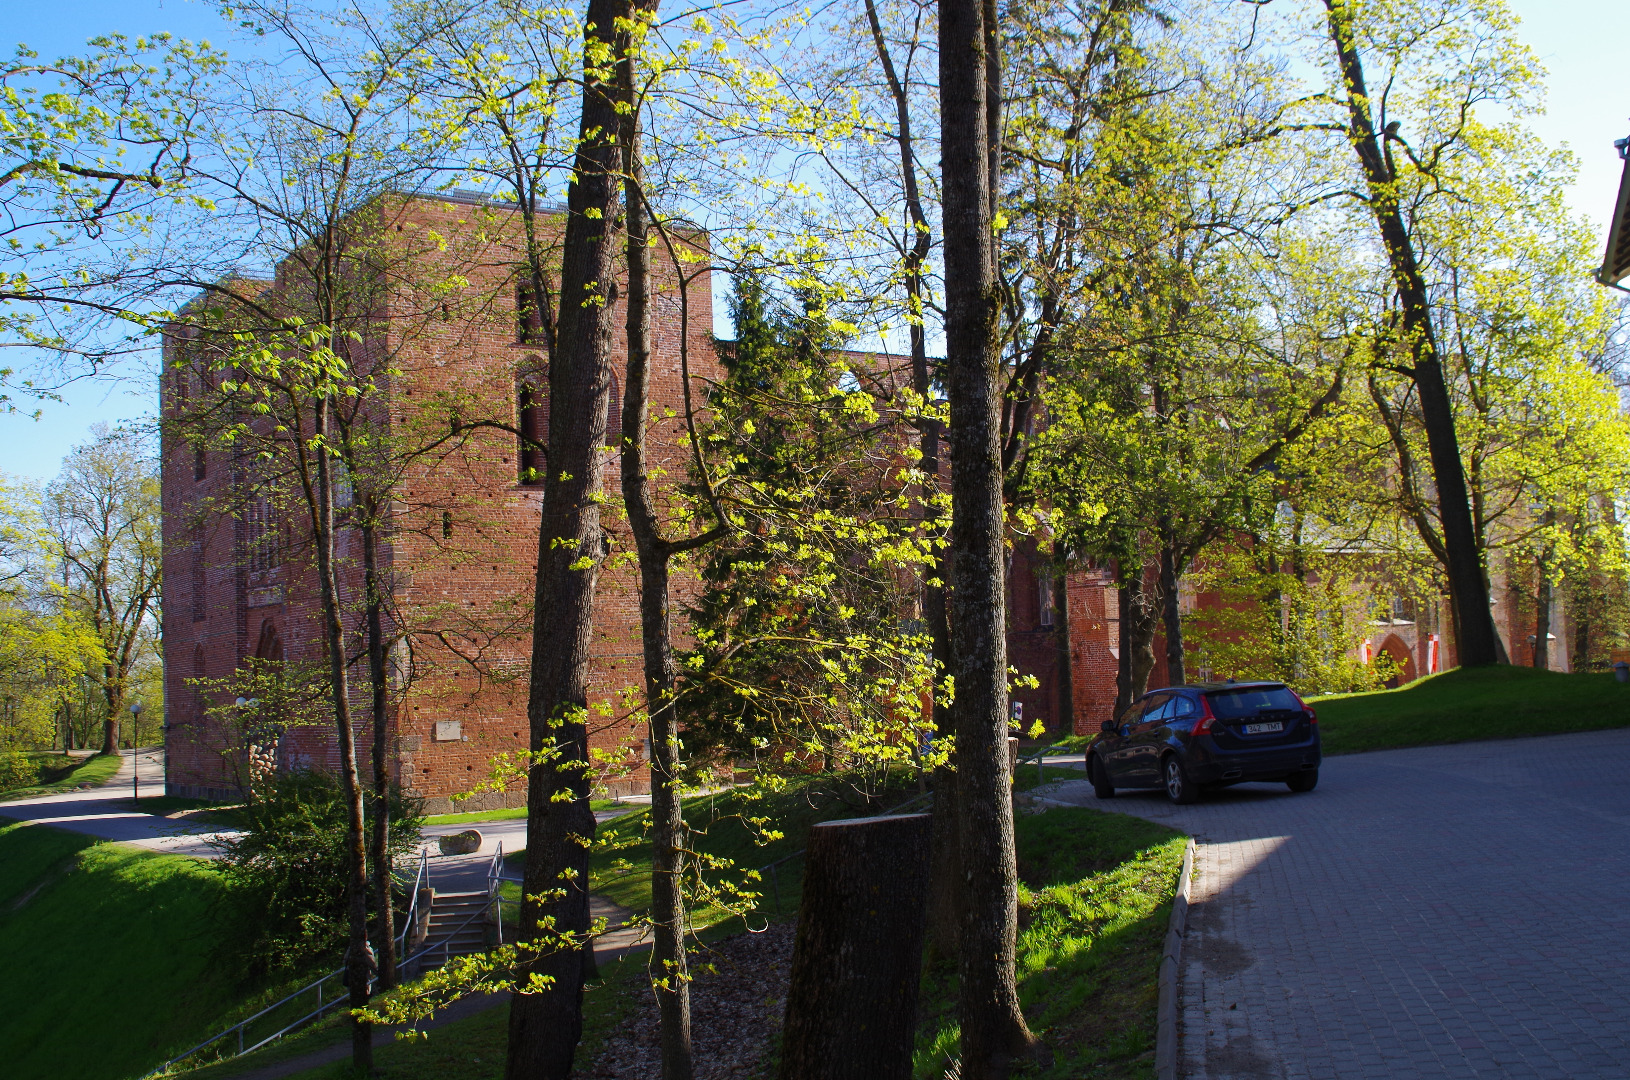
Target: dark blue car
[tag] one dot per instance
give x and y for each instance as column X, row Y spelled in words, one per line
column 1188, row 738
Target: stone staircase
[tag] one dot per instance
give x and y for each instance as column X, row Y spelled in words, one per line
column 457, row 924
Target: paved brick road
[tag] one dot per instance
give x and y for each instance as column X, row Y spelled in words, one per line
column 1451, row 912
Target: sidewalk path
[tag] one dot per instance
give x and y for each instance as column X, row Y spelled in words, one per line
column 109, row 813
column 1457, row 912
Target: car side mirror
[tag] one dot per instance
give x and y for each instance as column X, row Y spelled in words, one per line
column 1107, row 726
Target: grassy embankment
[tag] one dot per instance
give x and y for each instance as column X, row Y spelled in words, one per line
column 59, row 774
column 1472, row 703
column 1095, row 895
column 621, row 869
column 108, row 956
column 1097, row 890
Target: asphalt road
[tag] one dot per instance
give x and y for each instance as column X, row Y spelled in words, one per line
column 1445, row 912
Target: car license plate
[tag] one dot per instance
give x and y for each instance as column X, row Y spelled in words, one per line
column 1263, row 729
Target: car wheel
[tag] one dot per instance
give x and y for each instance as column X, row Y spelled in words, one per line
column 1099, row 776
column 1306, row 780
column 1179, row 788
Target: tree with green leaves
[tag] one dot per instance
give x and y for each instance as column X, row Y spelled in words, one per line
column 103, row 514
column 93, row 150
column 50, row 654
column 1435, row 83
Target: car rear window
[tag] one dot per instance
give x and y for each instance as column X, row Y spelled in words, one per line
column 1248, row 701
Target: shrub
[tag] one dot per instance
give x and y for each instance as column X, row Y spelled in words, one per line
column 287, row 870
column 17, row 770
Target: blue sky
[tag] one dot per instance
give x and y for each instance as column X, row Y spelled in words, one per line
column 1580, row 41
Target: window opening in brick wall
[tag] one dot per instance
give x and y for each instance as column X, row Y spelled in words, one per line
column 196, row 691
column 1112, row 617
column 262, row 539
column 446, row 524
column 528, row 316
column 1045, row 590
column 345, row 488
column 614, row 415
column 200, row 463
column 195, row 552
column 270, row 645
column 532, row 420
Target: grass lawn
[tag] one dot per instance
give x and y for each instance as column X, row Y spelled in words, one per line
column 108, row 933
column 513, row 813
column 1096, row 896
column 1096, row 892
column 620, row 868
column 1472, row 703
column 57, row 775
column 469, row 1049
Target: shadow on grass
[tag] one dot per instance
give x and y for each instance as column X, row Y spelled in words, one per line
column 1095, row 897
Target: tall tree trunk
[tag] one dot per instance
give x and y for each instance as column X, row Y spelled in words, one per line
column 546, row 1022
column 1542, row 616
column 1171, row 615
column 668, row 918
column 358, row 970
column 111, row 700
column 1579, row 607
column 1137, row 633
column 1066, row 681
column 379, row 839
column 943, row 889
column 1124, row 694
column 1477, row 642
column 993, row 1028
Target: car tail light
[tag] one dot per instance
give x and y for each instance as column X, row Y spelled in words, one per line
column 1202, row 726
column 1312, row 717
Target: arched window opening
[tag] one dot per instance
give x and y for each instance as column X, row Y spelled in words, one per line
column 270, row 645
column 532, row 421
column 528, row 315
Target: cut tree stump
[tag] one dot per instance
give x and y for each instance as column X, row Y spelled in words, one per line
column 857, row 957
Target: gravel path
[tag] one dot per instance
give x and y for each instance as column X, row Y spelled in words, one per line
column 736, row 1009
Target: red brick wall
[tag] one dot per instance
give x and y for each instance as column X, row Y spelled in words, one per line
column 1093, row 647
column 471, row 587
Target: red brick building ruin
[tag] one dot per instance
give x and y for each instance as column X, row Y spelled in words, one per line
column 459, row 556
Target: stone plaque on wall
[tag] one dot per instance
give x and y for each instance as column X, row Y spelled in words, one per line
column 266, row 597
column 449, row 730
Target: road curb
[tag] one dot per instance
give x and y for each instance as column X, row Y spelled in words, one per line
column 1166, row 1010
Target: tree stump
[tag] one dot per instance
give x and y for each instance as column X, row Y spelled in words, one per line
column 857, row 958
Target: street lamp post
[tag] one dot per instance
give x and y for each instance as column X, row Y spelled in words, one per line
column 135, row 749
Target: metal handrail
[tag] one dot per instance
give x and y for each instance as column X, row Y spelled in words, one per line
column 421, row 878
column 495, row 879
column 495, row 886
column 1037, row 755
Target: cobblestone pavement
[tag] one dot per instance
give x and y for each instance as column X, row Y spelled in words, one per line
column 1455, row 912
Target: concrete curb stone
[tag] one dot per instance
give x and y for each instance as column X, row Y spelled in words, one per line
column 1166, row 1010
column 1176, row 927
